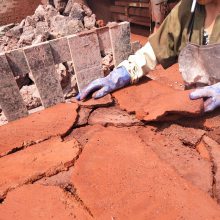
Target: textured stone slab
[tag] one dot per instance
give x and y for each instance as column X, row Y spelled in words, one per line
column 43, row 159
column 41, row 202
column 17, row 62
column 118, row 176
column 168, row 107
column 42, row 66
column 94, row 103
column 188, row 136
column 60, row 50
column 104, row 40
column 86, row 57
column 11, row 101
column 120, row 41
column 112, row 116
column 84, row 77
column 38, row 126
column 215, row 134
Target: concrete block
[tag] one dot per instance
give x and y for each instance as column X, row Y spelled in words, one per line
column 60, row 50
column 104, row 40
column 17, row 62
column 42, row 66
column 11, row 101
column 120, row 41
column 86, row 57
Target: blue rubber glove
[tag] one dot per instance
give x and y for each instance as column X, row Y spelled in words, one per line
column 117, row 79
column 212, row 93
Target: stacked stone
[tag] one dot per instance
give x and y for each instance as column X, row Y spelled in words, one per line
column 60, row 18
column 54, row 19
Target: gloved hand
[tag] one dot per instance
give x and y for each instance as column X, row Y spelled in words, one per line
column 117, row 79
column 212, row 93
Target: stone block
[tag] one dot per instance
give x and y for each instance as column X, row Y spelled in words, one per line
column 42, row 66
column 60, row 50
column 86, row 57
column 11, row 101
column 104, row 40
column 17, row 62
column 120, row 41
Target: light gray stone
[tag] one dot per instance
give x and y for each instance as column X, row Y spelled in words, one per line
column 11, row 101
column 17, row 62
column 86, row 57
column 42, row 66
column 120, row 41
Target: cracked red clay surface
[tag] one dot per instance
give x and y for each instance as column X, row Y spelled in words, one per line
column 96, row 160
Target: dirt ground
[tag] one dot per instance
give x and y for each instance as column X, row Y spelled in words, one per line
column 97, row 160
column 13, row 11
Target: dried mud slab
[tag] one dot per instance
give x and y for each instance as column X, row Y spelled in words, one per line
column 215, row 154
column 41, row 202
column 92, row 103
column 119, row 177
column 188, row 136
column 208, row 121
column 152, row 101
column 53, row 121
column 112, row 116
column 170, row 77
column 215, row 135
column 171, row 107
column 171, row 146
column 83, row 134
column 35, row 162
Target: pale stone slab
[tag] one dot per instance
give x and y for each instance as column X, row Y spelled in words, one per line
column 17, row 62
column 11, row 101
column 60, row 50
column 120, row 41
column 86, row 57
column 104, row 40
column 86, row 76
column 42, row 66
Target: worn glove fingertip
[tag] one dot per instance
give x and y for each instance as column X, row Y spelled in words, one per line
column 193, row 95
column 98, row 95
column 78, row 97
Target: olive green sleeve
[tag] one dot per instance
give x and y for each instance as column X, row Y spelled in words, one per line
column 171, row 36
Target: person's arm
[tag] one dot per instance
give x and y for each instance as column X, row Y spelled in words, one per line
column 139, row 64
column 128, row 72
column 163, row 47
